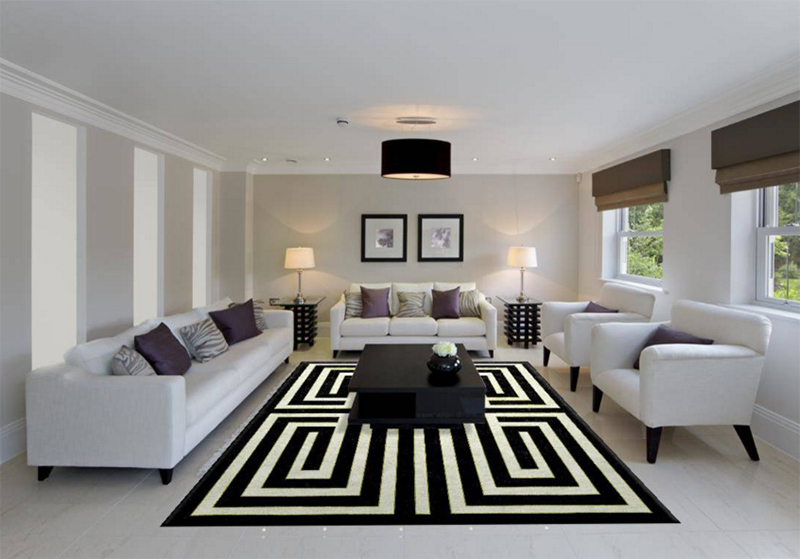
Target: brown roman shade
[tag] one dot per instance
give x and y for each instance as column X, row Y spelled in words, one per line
column 760, row 151
column 636, row 182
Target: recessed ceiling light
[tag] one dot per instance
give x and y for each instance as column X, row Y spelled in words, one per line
column 474, row 158
column 552, row 159
column 264, row 159
column 327, row 159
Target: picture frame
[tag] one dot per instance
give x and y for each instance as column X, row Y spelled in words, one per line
column 440, row 238
column 384, row 237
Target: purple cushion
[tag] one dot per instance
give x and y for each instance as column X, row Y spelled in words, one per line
column 665, row 335
column 237, row 323
column 594, row 307
column 375, row 302
column 163, row 351
column 446, row 304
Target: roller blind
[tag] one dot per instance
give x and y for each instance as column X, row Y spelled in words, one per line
column 636, row 182
column 760, row 151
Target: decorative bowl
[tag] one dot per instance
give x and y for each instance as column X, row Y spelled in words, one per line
column 447, row 365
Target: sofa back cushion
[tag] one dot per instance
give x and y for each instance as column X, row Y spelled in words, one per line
column 178, row 321
column 237, row 323
column 426, row 288
column 627, row 299
column 449, row 286
column 96, row 356
column 723, row 325
column 163, row 351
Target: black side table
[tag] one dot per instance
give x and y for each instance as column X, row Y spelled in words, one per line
column 305, row 318
column 522, row 321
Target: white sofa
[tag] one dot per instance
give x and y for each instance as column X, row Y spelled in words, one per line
column 684, row 384
column 79, row 414
column 567, row 330
column 352, row 334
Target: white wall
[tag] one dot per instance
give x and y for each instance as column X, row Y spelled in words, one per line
column 709, row 256
column 324, row 212
column 148, row 233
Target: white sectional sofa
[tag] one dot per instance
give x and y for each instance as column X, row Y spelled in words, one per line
column 79, row 414
column 352, row 334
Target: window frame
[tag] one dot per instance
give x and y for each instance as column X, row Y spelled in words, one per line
column 622, row 234
column 768, row 214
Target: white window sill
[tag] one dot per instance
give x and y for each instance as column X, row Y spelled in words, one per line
column 636, row 284
column 769, row 312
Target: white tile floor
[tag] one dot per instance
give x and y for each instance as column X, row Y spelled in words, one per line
column 728, row 506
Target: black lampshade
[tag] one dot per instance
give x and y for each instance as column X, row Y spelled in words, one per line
column 415, row 159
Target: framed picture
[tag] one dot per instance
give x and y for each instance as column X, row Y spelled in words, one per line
column 383, row 237
column 441, row 238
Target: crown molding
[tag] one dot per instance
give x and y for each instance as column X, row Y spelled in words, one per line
column 40, row 91
column 250, row 168
column 773, row 84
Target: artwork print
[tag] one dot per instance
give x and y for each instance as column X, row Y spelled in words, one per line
column 384, row 238
column 440, row 237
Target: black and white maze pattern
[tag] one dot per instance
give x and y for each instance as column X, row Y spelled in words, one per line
column 533, row 461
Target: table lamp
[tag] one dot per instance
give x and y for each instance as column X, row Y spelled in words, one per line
column 522, row 257
column 300, row 258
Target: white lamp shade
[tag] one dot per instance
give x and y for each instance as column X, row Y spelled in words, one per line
column 300, row 258
column 522, row 257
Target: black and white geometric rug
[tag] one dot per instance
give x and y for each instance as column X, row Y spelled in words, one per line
column 534, row 461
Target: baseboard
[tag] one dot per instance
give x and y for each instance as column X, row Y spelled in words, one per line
column 12, row 440
column 777, row 430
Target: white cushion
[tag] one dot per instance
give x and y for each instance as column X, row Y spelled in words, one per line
column 447, row 286
column 412, row 326
column 365, row 327
column 461, row 327
column 206, row 387
column 412, row 288
column 356, row 288
column 220, row 305
column 621, row 385
column 723, row 325
column 248, row 355
column 178, row 321
column 95, row 357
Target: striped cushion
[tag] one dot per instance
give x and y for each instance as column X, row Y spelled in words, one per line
column 411, row 305
column 469, row 305
column 204, row 340
column 128, row 361
column 353, row 304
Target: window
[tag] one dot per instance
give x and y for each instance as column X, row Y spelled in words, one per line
column 148, row 233
column 201, row 238
column 778, row 250
column 57, row 196
column 640, row 243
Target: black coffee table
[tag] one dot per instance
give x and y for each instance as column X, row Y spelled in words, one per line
column 393, row 386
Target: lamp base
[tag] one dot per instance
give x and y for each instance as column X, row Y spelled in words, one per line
column 299, row 299
column 521, row 298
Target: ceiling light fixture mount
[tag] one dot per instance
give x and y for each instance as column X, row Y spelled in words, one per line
column 416, row 120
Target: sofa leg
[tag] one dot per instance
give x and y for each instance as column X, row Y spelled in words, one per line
column 286, row 360
column 546, row 359
column 335, row 353
column 573, row 378
column 166, row 475
column 597, row 397
column 746, row 436
column 653, row 439
column 43, row 472
column 491, row 354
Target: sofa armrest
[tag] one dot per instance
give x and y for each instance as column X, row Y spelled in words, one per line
column 684, row 384
column 617, row 345
column 279, row 318
column 337, row 317
column 75, row 418
column 555, row 313
column 578, row 333
column 489, row 316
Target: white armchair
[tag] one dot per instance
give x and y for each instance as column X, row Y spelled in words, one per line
column 567, row 330
column 683, row 384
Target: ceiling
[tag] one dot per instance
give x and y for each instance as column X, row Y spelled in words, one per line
column 513, row 84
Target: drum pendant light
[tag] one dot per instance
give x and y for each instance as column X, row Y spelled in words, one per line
column 415, row 159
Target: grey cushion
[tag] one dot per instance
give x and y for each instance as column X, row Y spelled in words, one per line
column 130, row 362
column 353, row 304
column 411, row 305
column 204, row 340
column 469, row 303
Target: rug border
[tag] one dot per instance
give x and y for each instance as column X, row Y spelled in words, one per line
column 660, row 515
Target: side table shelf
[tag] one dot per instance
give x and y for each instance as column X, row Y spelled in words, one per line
column 305, row 318
column 521, row 324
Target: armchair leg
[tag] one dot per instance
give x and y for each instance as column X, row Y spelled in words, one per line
column 746, row 436
column 573, row 378
column 546, row 358
column 653, row 439
column 335, row 353
column 597, row 397
column 166, row 475
column 43, row 472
